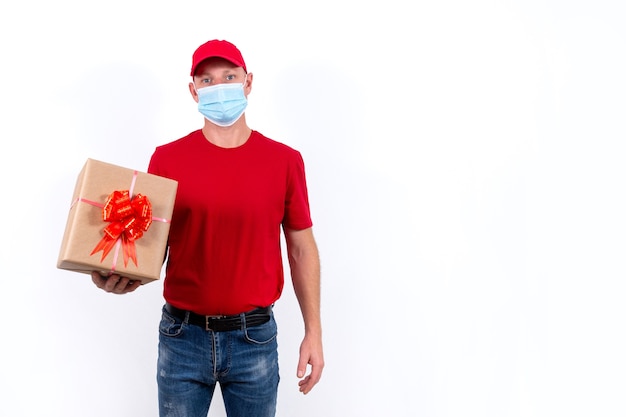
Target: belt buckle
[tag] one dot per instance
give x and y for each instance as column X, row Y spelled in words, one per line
column 207, row 319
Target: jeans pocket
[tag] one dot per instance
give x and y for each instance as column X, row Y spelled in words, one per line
column 262, row 334
column 170, row 326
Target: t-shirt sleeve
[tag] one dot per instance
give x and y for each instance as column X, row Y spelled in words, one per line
column 297, row 210
column 153, row 165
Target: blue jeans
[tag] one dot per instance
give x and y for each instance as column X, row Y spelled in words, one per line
column 193, row 360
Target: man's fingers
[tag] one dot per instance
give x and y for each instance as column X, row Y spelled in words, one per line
column 98, row 279
column 309, row 381
column 115, row 283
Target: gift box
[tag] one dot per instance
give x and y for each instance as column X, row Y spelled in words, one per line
column 118, row 222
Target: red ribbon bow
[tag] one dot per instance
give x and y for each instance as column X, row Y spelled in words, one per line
column 128, row 220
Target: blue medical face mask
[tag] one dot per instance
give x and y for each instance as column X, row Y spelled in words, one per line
column 222, row 104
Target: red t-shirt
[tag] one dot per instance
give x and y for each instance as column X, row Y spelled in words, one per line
column 224, row 241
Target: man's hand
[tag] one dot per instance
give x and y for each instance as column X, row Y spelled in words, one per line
column 115, row 283
column 310, row 354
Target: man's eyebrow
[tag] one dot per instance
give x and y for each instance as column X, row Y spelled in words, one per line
column 211, row 74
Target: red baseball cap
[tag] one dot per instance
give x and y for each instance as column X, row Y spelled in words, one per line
column 217, row 48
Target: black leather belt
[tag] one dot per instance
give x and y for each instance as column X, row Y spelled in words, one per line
column 252, row 318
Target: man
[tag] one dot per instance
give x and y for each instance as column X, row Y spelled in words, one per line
column 236, row 190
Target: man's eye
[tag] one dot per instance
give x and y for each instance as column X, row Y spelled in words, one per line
column 230, row 77
column 205, row 81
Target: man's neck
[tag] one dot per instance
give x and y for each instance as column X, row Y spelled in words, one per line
column 227, row 137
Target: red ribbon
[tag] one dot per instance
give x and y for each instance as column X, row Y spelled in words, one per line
column 129, row 219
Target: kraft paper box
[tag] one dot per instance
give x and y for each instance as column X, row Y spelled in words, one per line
column 84, row 241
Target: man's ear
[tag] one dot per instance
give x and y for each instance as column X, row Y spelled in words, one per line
column 247, row 86
column 194, row 93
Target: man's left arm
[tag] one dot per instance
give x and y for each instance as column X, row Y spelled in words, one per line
column 305, row 273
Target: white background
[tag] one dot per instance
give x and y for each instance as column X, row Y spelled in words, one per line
column 466, row 175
